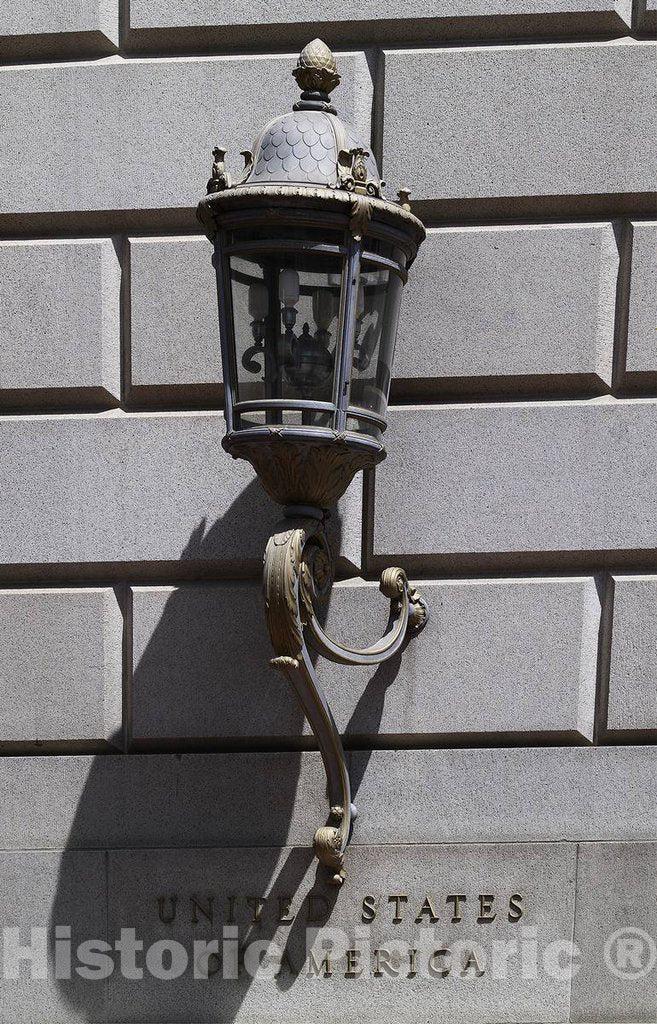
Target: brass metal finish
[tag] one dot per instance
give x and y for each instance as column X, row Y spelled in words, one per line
column 310, row 185
column 307, row 472
column 298, row 569
column 272, row 198
column 219, row 179
column 316, row 70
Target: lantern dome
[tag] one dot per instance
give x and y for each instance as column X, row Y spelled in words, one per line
column 303, row 147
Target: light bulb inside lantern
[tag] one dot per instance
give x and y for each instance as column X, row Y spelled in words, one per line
column 323, row 308
column 258, row 300
column 288, row 287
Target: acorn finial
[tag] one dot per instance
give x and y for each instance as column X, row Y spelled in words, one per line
column 316, row 70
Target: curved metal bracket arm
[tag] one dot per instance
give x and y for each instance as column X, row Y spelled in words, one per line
column 408, row 614
column 297, row 570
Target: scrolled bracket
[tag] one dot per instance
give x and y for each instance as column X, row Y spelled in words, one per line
column 298, row 569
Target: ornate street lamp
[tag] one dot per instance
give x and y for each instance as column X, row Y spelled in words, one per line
column 310, row 262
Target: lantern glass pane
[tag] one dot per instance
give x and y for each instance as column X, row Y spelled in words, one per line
column 286, row 314
column 377, row 315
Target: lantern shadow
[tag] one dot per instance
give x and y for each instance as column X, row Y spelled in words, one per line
column 187, row 672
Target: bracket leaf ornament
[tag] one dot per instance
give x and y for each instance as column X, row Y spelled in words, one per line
column 298, row 569
column 361, row 212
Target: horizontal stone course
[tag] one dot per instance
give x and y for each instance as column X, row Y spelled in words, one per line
column 59, row 325
column 61, row 665
column 337, row 20
column 519, row 119
column 532, row 794
column 642, row 326
column 483, row 303
column 138, row 488
column 517, row 478
column 633, row 669
column 498, row 656
column 160, row 120
column 543, row 875
column 510, row 302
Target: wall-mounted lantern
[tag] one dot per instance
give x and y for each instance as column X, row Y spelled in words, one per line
column 310, row 262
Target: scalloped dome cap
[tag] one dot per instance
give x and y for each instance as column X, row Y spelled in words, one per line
column 310, row 145
column 307, row 147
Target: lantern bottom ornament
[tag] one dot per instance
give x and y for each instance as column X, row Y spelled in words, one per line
column 298, row 569
column 308, row 471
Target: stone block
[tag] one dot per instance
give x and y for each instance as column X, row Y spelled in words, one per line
column 642, row 325
column 39, row 892
column 489, row 990
column 174, row 335
column 155, row 800
column 616, row 932
column 135, row 488
column 160, row 120
column 508, row 480
column 519, row 119
column 518, row 302
column 59, row 326
column 30, row 28
column 549, row 794
column 61, row 665
column 174, row 22
column 498, row 656
column 633, row 667
column 496, row 795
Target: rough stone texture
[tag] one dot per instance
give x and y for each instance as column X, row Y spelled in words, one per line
column 616, row 893
column 530, row 794
column 506, row 795
column 41, row 890
column 497, row 656
column 31, row 27
column 519, row 118
column 138, row 488
column 173, row 297
column 160, row 119
column 510, row 302
column 633, row 669
column 517, row 478
column 491, row 16
column 61, row 665
column 543, row 874
column 59, row 319
column 642, row 326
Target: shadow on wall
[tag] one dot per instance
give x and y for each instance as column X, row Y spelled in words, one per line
column 188, row 671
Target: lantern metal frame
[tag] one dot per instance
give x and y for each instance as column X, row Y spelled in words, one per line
column 306, row 468
column 279, row 452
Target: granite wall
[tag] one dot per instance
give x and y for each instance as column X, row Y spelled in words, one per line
column 155, row 773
